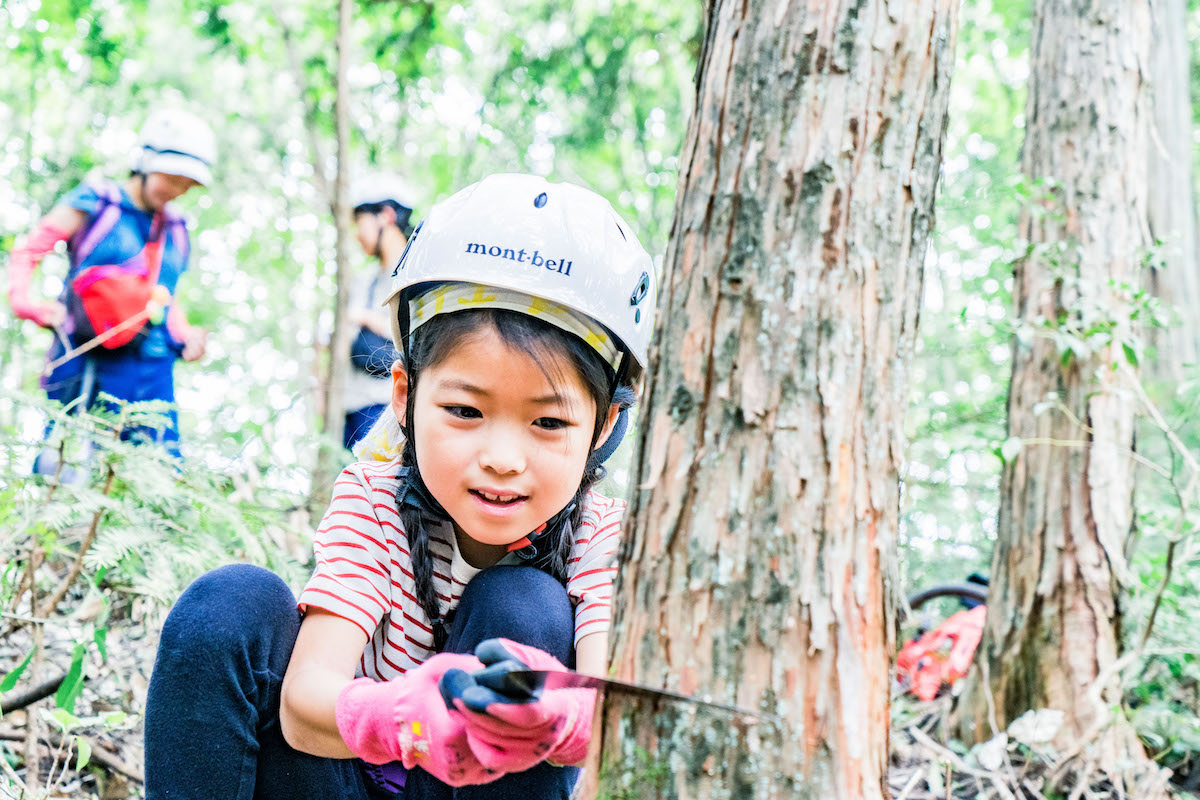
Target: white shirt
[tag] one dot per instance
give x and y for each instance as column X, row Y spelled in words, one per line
column 367, row 291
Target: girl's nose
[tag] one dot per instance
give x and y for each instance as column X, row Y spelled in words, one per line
column 503, row 454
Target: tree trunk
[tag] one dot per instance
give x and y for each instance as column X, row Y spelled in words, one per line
column 760, row 560
column 1053, row 631
column 329, row 450
column 1176, row 279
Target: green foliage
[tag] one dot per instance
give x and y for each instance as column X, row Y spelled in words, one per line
column 118, row 548
column 442, row 92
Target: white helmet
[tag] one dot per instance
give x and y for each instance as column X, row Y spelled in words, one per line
column 177, row 143
column 554, row 241
column 380, row 187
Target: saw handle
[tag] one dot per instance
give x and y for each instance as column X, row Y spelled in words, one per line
column 506, row 681
column 512, row 679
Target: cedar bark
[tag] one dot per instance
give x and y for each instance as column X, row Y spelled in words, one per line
column 1053, row 632
column 759, row 565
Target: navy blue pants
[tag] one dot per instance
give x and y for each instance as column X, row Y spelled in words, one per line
column 132, row 377
column 212, row 714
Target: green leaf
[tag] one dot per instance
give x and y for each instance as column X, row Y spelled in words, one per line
column 85, row 753
column 64, row 719
column 1130, row 354
column 100, row 637
column 10, row 680
column 72, row 684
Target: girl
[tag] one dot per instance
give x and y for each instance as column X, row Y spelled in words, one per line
column 523, row 311
column 109, row 224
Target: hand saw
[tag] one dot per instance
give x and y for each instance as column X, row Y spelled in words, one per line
column 529, row 683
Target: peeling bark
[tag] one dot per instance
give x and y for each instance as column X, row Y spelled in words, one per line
column 759, row 563
column 1052, row 636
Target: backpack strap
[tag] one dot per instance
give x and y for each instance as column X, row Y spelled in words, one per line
column 177, row 225
column 102, row 223
column 179, row 237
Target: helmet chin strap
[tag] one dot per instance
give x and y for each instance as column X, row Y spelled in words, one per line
column 621, row 426
column 610, row 445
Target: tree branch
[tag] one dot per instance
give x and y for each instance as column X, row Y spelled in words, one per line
column 77, row 567
column 30, row 696
column 101, row 754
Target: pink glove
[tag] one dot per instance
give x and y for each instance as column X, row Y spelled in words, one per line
column 21, row 265
column 513, row 735
column 407, row 720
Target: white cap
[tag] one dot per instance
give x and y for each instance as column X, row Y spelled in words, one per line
column 555, row 241
column 380, row 187
column 177, row 142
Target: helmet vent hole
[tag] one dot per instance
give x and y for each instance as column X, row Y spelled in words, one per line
column 637, row 316
column 540, row 200
column 621, row 232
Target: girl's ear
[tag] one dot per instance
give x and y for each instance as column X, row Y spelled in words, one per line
column 399, row 391
column 614, row 411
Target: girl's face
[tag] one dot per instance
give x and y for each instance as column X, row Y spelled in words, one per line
column 499, row 446
column 161, row 188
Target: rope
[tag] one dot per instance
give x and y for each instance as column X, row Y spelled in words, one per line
column 96, row 341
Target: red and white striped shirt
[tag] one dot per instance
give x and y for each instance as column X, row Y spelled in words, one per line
column 364, row 570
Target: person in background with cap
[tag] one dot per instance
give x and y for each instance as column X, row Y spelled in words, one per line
column 383, row 207
column 107, row 226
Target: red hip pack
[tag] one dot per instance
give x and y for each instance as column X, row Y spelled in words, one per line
column 110, row 300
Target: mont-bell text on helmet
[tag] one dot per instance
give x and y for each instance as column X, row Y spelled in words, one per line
column 561, row 266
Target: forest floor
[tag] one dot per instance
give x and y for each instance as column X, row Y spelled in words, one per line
column 108, row 714
column 1017, row 765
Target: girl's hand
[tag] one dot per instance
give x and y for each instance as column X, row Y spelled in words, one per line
column 49, row 314
column 194, row 345
column 513, row 735
column 406, row 720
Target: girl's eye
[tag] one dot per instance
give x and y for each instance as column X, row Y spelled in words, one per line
column 463, row 412
column 550, row 423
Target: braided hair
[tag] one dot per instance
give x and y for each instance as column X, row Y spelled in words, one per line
column 549, row 347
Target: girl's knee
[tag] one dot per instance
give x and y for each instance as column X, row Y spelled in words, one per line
column 519, row 603
column 229, row 605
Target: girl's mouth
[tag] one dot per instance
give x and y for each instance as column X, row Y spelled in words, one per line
column 500, row 500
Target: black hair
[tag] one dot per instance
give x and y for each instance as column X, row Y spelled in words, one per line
column 546, row 344
column 403, row 214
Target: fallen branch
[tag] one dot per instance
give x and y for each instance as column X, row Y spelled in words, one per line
column 15, row 701
column 101, row 754
column 952, row 759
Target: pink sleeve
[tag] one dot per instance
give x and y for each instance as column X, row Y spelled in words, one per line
column 22, row 263
column 353, row 574
column 593, row 565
